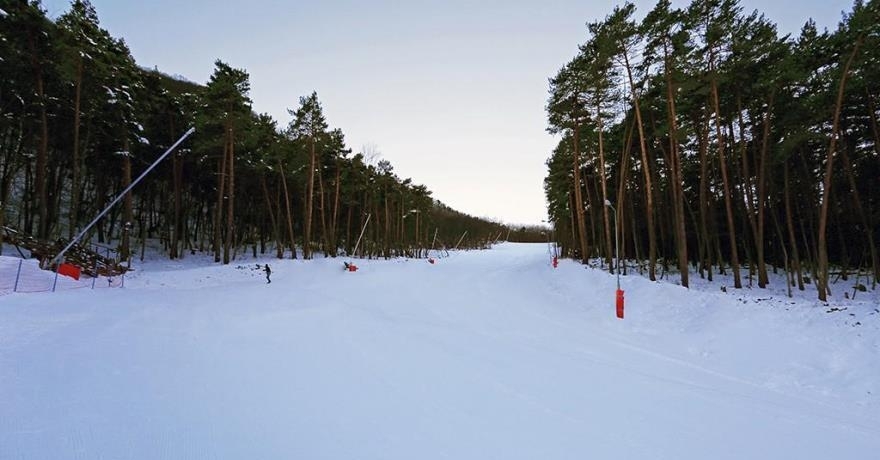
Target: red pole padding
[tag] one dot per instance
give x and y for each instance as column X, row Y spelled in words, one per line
column 69, row 270
column 620, row 303
column 555, row 261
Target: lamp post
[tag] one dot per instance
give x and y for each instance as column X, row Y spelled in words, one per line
column 617, row 262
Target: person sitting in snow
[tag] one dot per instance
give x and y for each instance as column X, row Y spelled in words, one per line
column 268, row 274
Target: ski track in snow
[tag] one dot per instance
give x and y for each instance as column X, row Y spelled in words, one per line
column 489, row 354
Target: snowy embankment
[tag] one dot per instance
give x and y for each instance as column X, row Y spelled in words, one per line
column 489, row 354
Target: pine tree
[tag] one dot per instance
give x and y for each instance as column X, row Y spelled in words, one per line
column 565, row 115
column 667, row 46
column 310, row 129
column 225, row 116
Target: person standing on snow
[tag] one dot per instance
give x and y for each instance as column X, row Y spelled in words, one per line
column 268, row 274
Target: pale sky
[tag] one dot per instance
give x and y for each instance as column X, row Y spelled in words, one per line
column 452, row 93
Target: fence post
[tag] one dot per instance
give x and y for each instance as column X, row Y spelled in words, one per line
column 57, row 267
column 95, row 278
column 17, row 275
column 123, row 280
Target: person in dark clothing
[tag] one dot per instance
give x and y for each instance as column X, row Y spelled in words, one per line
column 268, row 274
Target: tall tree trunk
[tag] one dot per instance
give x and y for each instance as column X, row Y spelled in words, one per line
column 402, row 223
column 324, row 235
column 637, row 251
column 101, row 190
column 230, row 202
column 677, row 189
column 418, row 236
column 11, row 151
column 334, row 228
column 281, row 242
column 289, row 213
column 706, row 242
column 789, row 221
column 781, row 238
column 310, row 201
column 218, row 210
column 55, row 184
column 875, row 126
column 603, row 183
column 5, row 184
column 127, row 205
column 728, row 201
column 387, row 226
column 272, row 220
column 763, row 159
column 348, row 243
column 844, row 248
column 578, row 196
column 623, row 176
column 40, row 181
column 663, row 221
column 649, row 188
column 76, row 179
column 177, row 181
column 592, row 190
column 860, row 210
column 822, row 268
column 751, row 213
column 573, row 217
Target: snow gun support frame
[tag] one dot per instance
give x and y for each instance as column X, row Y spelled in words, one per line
column 431, row 260
column 349, row 266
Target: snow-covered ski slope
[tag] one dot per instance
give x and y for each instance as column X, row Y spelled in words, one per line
column 483, row 355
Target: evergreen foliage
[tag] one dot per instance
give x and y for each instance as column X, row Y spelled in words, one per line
column 722, row 142
column 79, row 119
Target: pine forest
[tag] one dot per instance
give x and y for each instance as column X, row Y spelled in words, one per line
column 80, row 119
column 691, row 141
column 701, row 141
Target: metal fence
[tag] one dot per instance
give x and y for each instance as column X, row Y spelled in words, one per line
column 25, row 275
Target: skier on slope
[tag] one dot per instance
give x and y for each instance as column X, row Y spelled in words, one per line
column 268, row 274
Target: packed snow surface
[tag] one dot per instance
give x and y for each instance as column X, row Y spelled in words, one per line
column 482, row 355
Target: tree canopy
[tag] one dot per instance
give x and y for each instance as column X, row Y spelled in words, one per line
column 79, row 119
column 722, row 142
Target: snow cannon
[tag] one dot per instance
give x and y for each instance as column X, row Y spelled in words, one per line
column 350, row 267
column 620, row 303
column 555, row 261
